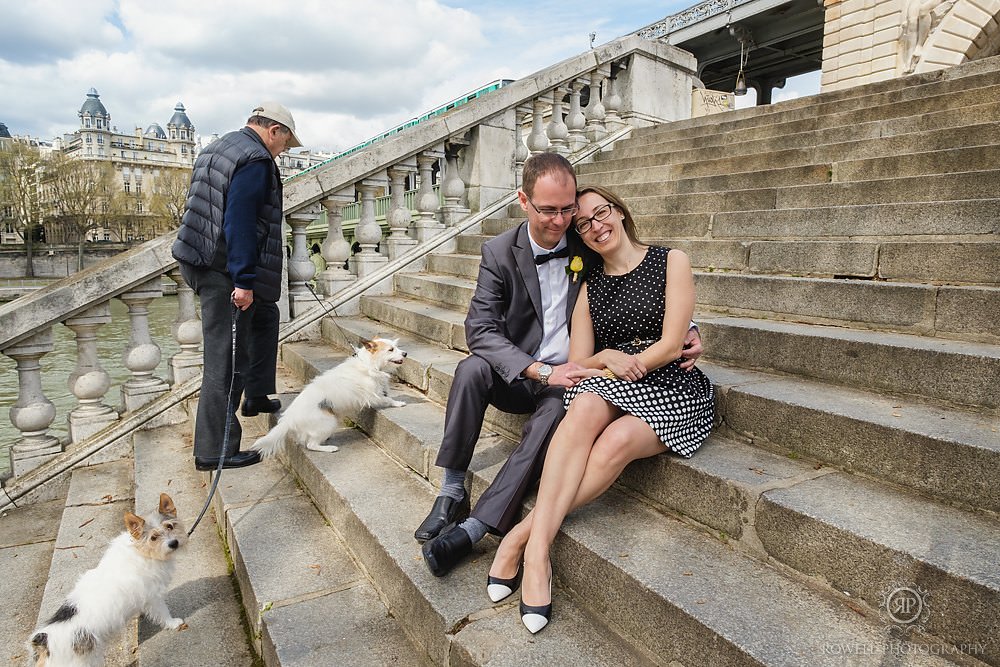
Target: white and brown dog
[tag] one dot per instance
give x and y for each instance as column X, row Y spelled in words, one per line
column 131, row 578
column 360, row 381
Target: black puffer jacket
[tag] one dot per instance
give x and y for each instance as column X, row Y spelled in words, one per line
column 200, row 236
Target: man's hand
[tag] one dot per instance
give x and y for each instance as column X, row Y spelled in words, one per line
column 692, row 349
column 242, row 298
column 559, row 377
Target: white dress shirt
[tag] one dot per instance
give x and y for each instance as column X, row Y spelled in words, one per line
column 554, row 283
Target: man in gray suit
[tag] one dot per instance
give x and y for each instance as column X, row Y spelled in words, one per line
column 517, row 330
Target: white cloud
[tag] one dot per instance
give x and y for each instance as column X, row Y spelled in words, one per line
column 346, row 69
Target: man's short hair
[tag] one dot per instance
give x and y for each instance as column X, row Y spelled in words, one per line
column 543, row 164
column 265, row 123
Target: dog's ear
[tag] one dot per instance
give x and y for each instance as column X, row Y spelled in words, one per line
column 134, row 525
column 369, row 345
column 167, row 507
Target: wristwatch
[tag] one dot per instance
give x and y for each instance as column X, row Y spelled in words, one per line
column 544, row 373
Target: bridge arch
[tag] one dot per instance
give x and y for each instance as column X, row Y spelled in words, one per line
column 968, row 31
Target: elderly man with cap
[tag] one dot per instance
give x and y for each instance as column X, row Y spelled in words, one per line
column 230, row 249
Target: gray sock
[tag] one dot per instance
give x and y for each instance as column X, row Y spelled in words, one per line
column 454, row 484
column 475, row 528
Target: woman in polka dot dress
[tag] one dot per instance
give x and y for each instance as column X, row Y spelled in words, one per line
column 632, row 400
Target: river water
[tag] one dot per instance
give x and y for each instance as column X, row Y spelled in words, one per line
column 58, row 364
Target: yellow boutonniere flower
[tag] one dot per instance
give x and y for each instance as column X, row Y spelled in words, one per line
column 575, row 266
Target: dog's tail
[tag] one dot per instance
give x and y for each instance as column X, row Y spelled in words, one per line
column 272, row 443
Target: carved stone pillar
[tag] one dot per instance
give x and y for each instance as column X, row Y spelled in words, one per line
column 452, row 186
column 595, row 129
column 612, row 104
column 537, row 142
column 300, row 268
column 142, row 355
column 89, row 382
column 575, row 120
column 33, row 413
column 557, row 132
column 399, row 217
column 521, row 151
column 428, row 201
column 368, row 234
column 187, row 332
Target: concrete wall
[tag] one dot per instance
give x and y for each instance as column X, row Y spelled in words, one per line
column 54, row 261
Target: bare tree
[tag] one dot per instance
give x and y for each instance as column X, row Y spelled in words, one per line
column 170, row 191
column 80, row 195
column 20, row 165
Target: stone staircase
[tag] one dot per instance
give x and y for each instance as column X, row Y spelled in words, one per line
column 847, row 255
column 848, row 270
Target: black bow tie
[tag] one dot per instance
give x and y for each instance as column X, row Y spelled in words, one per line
column 541, row 259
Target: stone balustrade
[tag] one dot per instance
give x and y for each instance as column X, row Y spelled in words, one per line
column 403, row 191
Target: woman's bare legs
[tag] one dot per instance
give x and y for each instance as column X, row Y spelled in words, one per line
column 608, row 458
column 626, row 439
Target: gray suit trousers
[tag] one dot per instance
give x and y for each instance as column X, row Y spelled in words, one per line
column 256, row 358
column 475, row 387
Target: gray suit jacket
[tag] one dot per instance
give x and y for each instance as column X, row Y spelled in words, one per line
column 504, row 324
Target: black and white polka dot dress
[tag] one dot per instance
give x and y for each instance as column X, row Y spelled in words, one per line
column 627, row 312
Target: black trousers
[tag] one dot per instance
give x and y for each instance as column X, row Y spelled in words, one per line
column 475, row 387
column 256, row 358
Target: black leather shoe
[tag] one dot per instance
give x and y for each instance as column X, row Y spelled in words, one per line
column 253, row 405
column 237, row 460
column 445, row 510
column 446, row 550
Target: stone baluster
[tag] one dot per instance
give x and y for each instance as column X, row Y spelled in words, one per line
column 613, row 103
column 595, row 130
column 557, row 132
column 142, row 355
column 33, row 413
column 300, row 268
column 452, row 185
column 537, row 141
column 368, row 234
column 521, row 151
column 428, row 202
column 399, row 217
column 89, row 382
column 575, row 120
column 337, row 251
column 187, row 332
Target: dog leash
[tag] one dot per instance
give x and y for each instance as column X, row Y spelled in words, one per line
column 229, row 421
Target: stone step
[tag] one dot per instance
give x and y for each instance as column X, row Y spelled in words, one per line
column 27, row 542
column 441, row 289
column 893, row 439
column 922, row 309
column 971, row 218
column 864, row 104
column 450, row 620
column 944, row 187
column 764, row 178
column 430, row 321
column 846, row 145
column 465, row 266
column 472, row 244
column 794, row 132
column 592, row 547
column 308, row 601
column 202, row 591
column 954, row 372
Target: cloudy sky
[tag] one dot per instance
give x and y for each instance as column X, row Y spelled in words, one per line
column 347, row 69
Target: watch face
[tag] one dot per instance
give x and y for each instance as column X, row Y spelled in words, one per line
column 544, row 371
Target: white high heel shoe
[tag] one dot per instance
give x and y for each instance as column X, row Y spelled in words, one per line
column 536, row 618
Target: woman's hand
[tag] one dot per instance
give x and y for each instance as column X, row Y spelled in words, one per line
column 625, row 366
